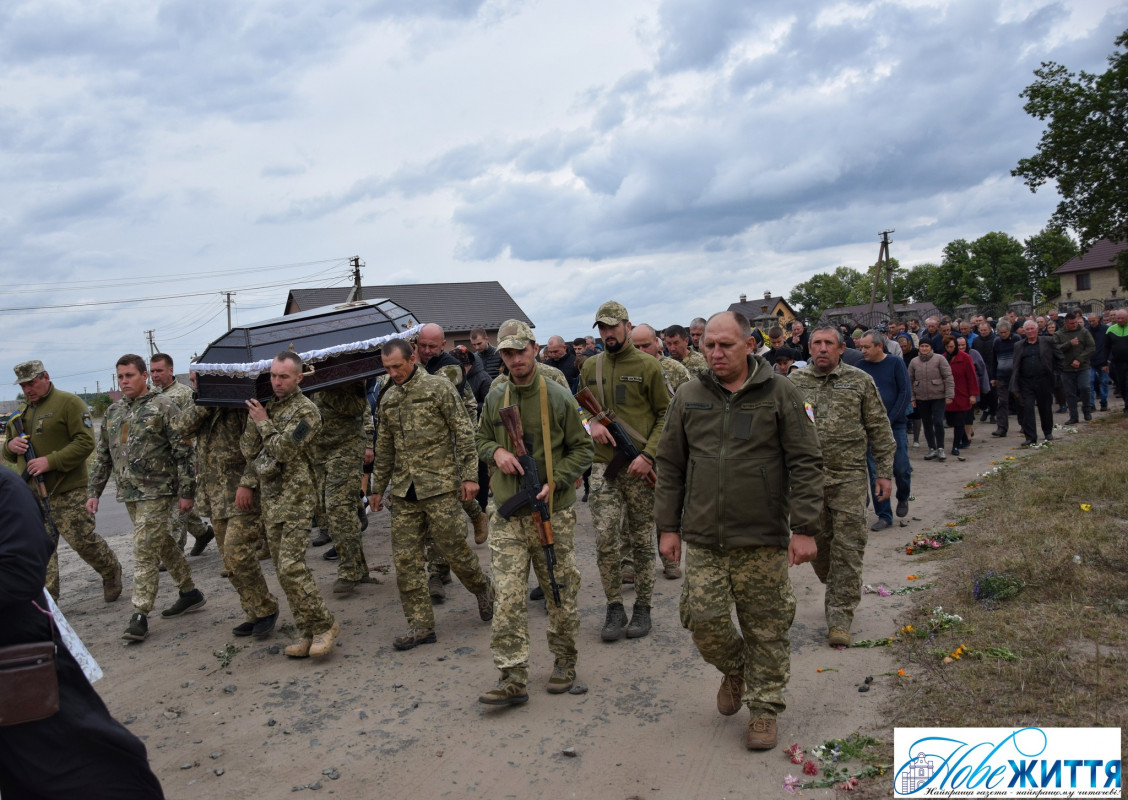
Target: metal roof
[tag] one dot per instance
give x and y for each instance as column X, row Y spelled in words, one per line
column 454, row 306
column 1101, row 255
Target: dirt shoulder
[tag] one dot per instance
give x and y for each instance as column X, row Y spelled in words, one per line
column 369, row 719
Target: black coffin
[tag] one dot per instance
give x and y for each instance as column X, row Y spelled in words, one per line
column 338, row 344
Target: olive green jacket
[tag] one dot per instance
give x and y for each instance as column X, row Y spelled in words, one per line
column 635, row 390
column 59, row 427
column 571, row 444
column 739, row 469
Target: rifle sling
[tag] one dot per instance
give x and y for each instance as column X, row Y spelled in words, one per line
column 638, row 437
column 546, row 434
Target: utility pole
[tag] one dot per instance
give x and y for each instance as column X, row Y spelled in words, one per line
column 354, row 293
column 228, row 309
column 97, row 387
column 152, row 343
column 883, row 273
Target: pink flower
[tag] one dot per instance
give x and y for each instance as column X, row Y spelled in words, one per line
column 795, row 753
column 883, row 592
column 810, row 767
column 791, row 784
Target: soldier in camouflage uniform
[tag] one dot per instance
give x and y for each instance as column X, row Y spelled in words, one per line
column 629, row 384
column 151, row 464
column 425, row 450
column 164, row 382
column 59, row 430
column 678, row 342
column 515, row 542
column 550, row 372
column 430, row 351
column 338, row 458
column 645, row 338
column 740, row 481
column 276, row 444
column 217, row 432
column 849, row 413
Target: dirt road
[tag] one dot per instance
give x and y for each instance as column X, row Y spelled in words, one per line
column 372, row 722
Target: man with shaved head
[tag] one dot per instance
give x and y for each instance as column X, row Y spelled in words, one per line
column 560, row 355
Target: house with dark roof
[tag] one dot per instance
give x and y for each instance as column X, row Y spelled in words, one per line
column 457, row 307
column 758, row 311
column 1093, row 275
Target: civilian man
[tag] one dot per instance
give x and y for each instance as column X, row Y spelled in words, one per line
column 891, row 377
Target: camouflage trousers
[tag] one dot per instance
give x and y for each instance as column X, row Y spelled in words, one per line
column 627, row 552
column 623, row 508
column 288, row 541
column 842, row 546
column 514, row 543
column 338, row 497
column 184, row 524
column 440, row 518
column 436, row 561
column 755, row 580
column 238, row 538
column 76, row 527
column 153, row 543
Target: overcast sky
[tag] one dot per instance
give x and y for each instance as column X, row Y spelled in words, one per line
column 670, row 155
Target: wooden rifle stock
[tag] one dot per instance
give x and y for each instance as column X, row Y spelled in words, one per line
column 626, row 450
column 40, row 485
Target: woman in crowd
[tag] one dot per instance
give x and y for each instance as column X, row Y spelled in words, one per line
column 959, row 410
column 930, row 378
column 981, row 377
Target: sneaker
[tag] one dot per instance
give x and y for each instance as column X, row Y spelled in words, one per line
column 628, row 574
column 1028, row 443
column 998, row 434
column 344, row 586
column 299, row 649
column 640, row 622
column 137, row 629
column 486, row 603
column 243, row 629
column 435, row 589
column 111, row 586
column 202, row 542
column 931, row 455
column 672, row 571
column 1062, row 410
column 321, row 539
column 729, row 695
column 839, row 637
column 414, row 638
column 1071, row 421
column 615, row 623
column 264, row 625
column 505, row 694
column 916, row 442
column 188, row 601
column 537, row 593
column 561, row 680
column 481, row 525
column 940, row 456
column 1049, row 437
column 323, row 642
column 760, row 734
column 902, row 508
column 331, row 554
column 955, row 451
column 881, row 524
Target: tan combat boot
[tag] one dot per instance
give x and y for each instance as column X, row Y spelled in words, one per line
column 299, row 649
column 323, row 642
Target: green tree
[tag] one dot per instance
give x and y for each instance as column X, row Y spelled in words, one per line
column 1046, row 251
column 823, row 289
column 999, row 269
column 1083, row 145
column 912, row 284
column 954, row 278
column 100, row 403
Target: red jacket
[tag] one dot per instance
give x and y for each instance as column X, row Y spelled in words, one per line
column 967, row 384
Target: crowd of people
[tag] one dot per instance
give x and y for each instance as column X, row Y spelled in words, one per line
column 747, row 452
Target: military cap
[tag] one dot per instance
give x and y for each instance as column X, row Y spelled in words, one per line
column 28, row 371
column 514, row 335
column 611, row 313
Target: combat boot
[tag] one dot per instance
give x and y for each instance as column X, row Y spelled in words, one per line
column 730, row 694
column 505, row 694
column 321, row 539
column 436, row 590
column 344, row 586
column 562, row 679
column 202, row 542
column 413, row 638
column 264, row 625
column 486, row 603
column 481, row 528
column 322, row 644
column 671, row 571
column 839, row 637
column 137, row 629
column 615, row 623
column 300, row 648
column 111, row 586
column 640, row 622
column 760, row 734
column 188, row 601
column 628, row 574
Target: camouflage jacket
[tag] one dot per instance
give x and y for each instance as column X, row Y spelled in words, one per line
column 674, row 373
column 424, row 439
column 144, row 453
column 695, row 364
column 547, row 370
column 217, row 432
column 849, row 414
column 343, row 411
column 278, row 457
column 178, row 393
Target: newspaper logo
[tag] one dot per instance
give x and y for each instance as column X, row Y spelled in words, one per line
column 1006, row 762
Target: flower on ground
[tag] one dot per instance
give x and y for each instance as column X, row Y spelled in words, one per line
column 903, row 674
column 791, row 784
column 795, row 753
column 848, row 786
column 810, row 767
column 1086, row 507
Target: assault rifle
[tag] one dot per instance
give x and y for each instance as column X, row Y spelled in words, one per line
column 626, row 450
column 40, row 485
column 527, row 495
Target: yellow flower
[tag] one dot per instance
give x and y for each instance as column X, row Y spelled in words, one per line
column 1086, row 507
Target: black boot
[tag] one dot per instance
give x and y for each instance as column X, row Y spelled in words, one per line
column 616, row 621
column 640, row 622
